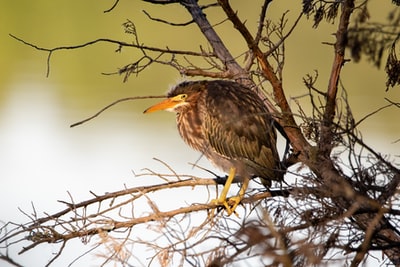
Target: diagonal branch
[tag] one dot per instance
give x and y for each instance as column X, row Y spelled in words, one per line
column 287, row 121
column 220, row 50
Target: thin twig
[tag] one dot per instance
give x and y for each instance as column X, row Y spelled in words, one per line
column 112, row 104
column 167, row 22
column 372, row 113
column 112, row 7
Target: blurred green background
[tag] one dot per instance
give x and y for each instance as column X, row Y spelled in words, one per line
column 41, row 158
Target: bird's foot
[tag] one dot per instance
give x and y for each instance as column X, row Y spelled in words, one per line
column 233, row 202
column 222, row 200
column 229, row 204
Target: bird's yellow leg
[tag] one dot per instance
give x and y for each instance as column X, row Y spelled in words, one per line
column 222, row 197
column 233, row 202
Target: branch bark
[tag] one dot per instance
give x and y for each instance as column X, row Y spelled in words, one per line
column 234, row 70
column 325, row 144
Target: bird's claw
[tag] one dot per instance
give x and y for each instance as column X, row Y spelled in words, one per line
column 233, row 202
column 229, row 204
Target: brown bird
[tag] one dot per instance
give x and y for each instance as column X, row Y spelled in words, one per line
column 231, row 126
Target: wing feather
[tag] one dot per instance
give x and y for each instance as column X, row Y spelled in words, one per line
column 238, row 126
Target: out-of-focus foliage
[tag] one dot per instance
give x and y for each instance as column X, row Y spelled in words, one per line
column 366, row 37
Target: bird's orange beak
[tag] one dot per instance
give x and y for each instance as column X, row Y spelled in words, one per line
column 166, row 104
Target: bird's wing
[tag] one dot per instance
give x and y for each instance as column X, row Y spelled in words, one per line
column 238, row 126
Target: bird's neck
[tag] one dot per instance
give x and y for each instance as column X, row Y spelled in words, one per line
column 189, row 125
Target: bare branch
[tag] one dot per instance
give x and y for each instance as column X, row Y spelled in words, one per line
column 112, row 7
column 220, row 50
column 105, row 40
column 287, row 121
column 325, row 144
column 112, row 104
column 167, row 22
column 261, row 20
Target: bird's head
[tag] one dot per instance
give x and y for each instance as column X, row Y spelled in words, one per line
column 183, row 95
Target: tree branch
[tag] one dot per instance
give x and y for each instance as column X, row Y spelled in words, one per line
column 233, row 68
column 112, row 104
column 287, row 121
column 325, row 144
column 106, row 40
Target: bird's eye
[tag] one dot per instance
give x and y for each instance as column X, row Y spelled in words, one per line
column 183, row 96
